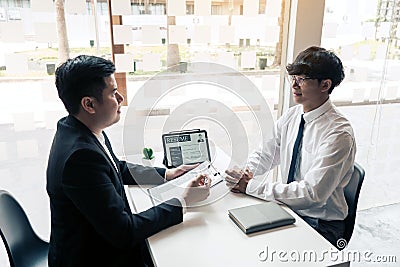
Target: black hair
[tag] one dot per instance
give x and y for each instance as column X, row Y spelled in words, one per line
column 318, row 63
column 82, row 76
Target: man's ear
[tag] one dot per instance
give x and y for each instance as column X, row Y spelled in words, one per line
column 326, row 85
column 87, row 104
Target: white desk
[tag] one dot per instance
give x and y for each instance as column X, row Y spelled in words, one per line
column 208, row 237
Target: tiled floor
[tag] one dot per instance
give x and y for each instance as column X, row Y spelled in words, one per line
column 24, row 152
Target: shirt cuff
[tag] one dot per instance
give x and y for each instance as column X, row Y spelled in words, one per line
column 165, row 176
column 183, row 203
column 252, row 186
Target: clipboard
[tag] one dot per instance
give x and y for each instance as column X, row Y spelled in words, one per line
column 185, row 147
column 176, row 187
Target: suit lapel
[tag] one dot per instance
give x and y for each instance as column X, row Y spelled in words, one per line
column 108, row 145
column 118, row 174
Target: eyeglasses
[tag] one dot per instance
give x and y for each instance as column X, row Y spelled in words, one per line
column 298, row 80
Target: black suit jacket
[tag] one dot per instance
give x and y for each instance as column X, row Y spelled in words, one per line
column 91, row 222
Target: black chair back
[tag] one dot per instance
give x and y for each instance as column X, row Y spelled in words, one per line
column 351, row 193
column 24, row 247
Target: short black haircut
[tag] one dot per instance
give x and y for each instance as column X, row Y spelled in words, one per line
column 82, row 76
column 318, row 63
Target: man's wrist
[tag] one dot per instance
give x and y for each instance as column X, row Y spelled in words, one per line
column 166, row 175
column 243, row 185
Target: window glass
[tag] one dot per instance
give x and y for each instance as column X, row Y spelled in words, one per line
column 30, row 108
column 365, row 34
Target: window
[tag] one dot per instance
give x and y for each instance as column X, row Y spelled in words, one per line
column 157, row 9
column 216, row 10
column 103, row 7
column 137, row 9
column 14, row 13
column 362, row 34
column 189, row 9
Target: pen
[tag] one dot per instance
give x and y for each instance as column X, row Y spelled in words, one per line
column 216, row 183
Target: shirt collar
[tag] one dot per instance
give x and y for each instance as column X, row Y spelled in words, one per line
column 100, row 137
column 315, row 113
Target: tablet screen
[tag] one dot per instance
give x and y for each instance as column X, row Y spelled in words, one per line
column 186, row 147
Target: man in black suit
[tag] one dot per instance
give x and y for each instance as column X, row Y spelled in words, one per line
column 91, row 222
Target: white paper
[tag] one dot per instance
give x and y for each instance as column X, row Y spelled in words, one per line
column 151, row 34
column 122, row 34
column 124, row 63
column 75, row 6
column 151, row 62
column 121, row 7
column 202, row 7
column 177, row 34
column 273, row 8
column 46, row 32
column 226, row 34
column 12, row 32
column 176, row 7
column 250, row 8
column 176, row 187
column 202, row 34
column 42, row 6
column 248, row 59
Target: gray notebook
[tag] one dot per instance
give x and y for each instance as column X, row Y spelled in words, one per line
column 260, row 217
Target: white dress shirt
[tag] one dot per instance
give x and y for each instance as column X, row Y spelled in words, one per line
column 324, row 166
column 102, row 141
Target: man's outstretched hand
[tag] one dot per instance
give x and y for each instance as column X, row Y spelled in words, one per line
column 237, row 179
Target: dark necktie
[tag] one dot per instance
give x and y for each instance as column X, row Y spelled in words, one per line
column 296, row 151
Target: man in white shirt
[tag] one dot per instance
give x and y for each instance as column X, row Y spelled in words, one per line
column 314, row 185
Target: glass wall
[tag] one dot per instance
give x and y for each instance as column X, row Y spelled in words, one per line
column 216, row 32
column 365, row 35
